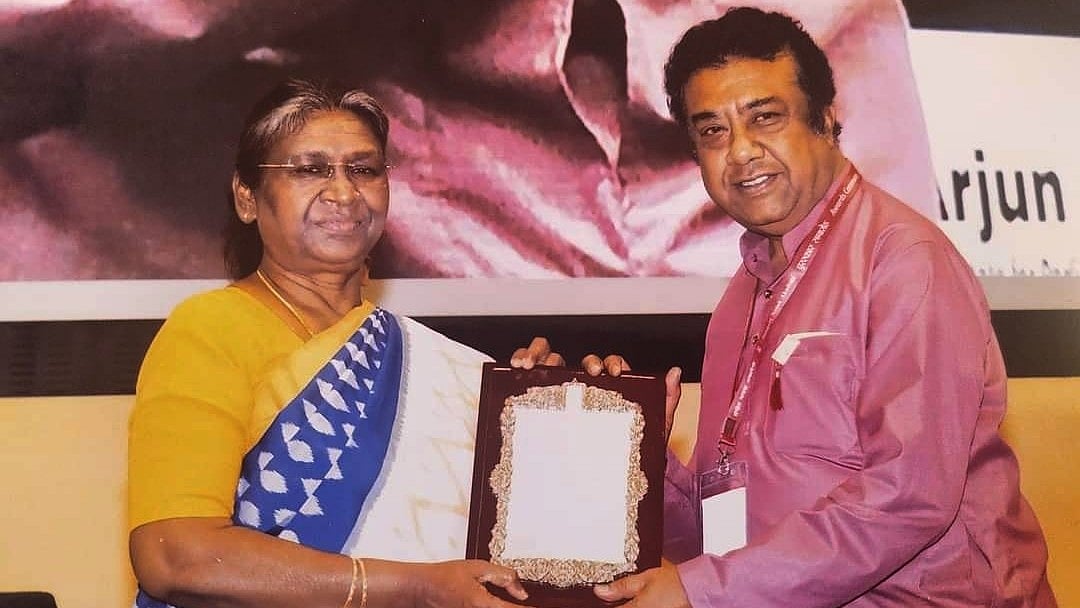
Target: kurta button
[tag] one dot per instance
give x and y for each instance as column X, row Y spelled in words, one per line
column 754, row 339
column 768, row 294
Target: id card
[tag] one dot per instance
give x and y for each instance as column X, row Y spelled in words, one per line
column 722, row 514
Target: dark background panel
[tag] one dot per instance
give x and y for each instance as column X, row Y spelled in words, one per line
column 1039, row 343
column 44, row 358
column 102, row 357
column 1045, row 17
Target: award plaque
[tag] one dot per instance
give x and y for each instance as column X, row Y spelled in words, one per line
column 567, row 479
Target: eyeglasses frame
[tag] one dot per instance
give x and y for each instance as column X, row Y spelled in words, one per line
column 332, row 167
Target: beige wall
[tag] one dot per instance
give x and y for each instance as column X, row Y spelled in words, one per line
column 64, row 462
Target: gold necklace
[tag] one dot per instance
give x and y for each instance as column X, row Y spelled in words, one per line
column 295, row 313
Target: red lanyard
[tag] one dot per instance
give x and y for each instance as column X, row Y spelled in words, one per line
column 804, row 255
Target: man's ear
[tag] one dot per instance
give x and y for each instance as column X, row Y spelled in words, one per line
column 828, row 124
column 243, row 200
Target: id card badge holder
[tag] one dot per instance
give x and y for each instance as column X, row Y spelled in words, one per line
column 722, row 510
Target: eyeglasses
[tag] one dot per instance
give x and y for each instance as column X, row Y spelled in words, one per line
column 311, row 173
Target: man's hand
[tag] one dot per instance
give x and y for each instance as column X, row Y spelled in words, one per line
column 673, row 383
column 655, row 588
column 613, row 365
column 537, row 353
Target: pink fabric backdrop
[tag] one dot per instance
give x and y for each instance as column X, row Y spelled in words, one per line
column 529, row 138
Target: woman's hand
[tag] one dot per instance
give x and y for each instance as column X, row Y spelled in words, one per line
column 202, row 562
column 460, row 584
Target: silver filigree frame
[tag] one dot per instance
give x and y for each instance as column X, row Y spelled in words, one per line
column 568, row 572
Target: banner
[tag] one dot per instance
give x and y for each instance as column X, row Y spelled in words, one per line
column 530, row 142
column 1003, row 135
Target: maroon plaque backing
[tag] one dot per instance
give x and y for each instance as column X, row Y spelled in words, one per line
column 499, row 383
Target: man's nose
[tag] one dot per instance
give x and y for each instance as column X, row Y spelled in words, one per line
column 744, row 146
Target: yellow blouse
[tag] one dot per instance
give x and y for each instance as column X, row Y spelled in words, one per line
column 194, row 416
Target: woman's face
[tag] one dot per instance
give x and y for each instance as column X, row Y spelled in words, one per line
column 322, row 201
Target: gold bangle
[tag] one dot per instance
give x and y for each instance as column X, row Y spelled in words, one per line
column 352, row 586
column 363, row 582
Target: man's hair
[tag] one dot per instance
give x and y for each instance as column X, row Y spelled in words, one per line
column 750, row 33
column 283, row 112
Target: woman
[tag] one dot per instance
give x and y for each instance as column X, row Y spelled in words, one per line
column 284, row 449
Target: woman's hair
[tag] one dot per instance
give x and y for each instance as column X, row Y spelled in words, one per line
column 283, row 112
column 751, row 33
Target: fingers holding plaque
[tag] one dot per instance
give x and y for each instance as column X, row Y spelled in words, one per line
column 568, row 479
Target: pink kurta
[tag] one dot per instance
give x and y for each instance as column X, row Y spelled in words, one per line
column 882, row 480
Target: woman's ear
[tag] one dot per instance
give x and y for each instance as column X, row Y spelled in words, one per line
column 243, row 200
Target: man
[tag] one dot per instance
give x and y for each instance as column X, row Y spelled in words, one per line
column 871, row 383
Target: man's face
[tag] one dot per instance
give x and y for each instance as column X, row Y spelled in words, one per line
column 760, row 160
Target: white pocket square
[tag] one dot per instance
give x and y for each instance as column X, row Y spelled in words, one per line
column 790, row 342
